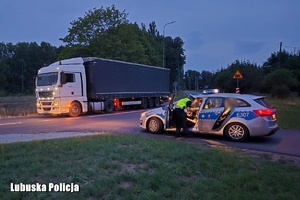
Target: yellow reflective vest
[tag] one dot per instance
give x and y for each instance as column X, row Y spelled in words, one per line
column 182, row 103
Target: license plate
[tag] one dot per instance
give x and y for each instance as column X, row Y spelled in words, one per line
column 274, row 116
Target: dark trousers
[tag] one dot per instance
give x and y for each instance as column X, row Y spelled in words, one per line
column 179, row 118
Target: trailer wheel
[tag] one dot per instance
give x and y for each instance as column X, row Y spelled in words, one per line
column 150, row 102
column 109, row 106
column 75, row 109
column 144, row 103
column 156, row 102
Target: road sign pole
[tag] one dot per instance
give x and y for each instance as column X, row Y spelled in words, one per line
column 237, row 76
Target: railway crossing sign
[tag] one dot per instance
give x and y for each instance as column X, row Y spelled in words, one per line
column 237, row 75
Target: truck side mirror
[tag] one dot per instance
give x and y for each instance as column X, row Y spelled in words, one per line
column 63, row 78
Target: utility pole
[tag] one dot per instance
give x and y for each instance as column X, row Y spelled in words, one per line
column 279, row 55
column 280, row 46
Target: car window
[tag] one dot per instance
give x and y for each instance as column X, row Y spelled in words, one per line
column 241, row 103
column 214, row 102
column 196, row 103
column 264, row 102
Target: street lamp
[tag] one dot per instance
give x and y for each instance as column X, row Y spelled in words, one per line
column 164, row 42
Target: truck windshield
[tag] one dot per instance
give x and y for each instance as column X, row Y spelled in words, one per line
column 47, row 79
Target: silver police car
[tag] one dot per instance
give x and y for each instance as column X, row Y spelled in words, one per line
column 237, row 116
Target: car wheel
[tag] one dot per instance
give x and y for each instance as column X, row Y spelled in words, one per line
column 236, row 132
column 154, row 125
column 75, row 109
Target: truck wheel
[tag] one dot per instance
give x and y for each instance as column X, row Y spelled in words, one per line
column 75, row 109
column 144, row 103
column 156, row 102
column 154, row 125
column 150, row 102
column 236, row 132
column 109, row 106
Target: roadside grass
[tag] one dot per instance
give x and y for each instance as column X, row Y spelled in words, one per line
column 133, row 167
column 17, row 106
column 288, row 112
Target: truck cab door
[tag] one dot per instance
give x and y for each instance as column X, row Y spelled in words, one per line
column 72, row 86
column 78, row 87
column 168, row 113
column 213, row 114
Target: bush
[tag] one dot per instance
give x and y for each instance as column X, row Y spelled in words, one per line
column 2, row 93
column 280, row 91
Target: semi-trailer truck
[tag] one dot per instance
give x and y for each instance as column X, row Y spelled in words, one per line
column 80, row 85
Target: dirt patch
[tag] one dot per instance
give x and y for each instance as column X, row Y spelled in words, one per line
column 192, row 178
column 131, row 168
column 125, row 184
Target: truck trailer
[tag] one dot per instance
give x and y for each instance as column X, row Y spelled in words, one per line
column 80, row 85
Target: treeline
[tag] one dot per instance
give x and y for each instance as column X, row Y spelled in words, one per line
column 107, row 33
column 278, row 76
column 20, row 62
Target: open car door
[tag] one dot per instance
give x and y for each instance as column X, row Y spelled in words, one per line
column 168, row 113
column 213, row 114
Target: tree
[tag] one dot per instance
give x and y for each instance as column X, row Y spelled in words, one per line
column 175, row 59
column 251, row 82
column 86, row 30
column 127, row 42
column 272, row 62
column 191, row 78
column 20, row 62
column 205, row 79
column 282, row 78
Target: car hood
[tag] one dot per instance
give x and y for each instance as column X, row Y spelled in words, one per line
column 154, row 111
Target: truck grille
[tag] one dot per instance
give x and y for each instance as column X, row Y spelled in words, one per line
column 45, row 94
column 46, row 103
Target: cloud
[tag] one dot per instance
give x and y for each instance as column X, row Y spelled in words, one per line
column 193, row 40
column 247, row 47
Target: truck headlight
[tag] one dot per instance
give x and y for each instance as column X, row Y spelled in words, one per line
column 38, row 104
column 56, row 103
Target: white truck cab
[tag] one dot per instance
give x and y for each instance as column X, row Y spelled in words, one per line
column 61, row 88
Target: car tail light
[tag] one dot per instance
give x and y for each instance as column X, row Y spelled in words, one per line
column 263, row 112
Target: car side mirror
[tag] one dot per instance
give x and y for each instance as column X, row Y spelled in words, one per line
column 63, row 78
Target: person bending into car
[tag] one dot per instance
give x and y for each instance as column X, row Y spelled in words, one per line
column 179, row 116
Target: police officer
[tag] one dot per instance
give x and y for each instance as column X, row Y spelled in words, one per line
column 179, row 116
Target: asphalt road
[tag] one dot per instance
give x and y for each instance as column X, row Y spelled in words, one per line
column 127, row 122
